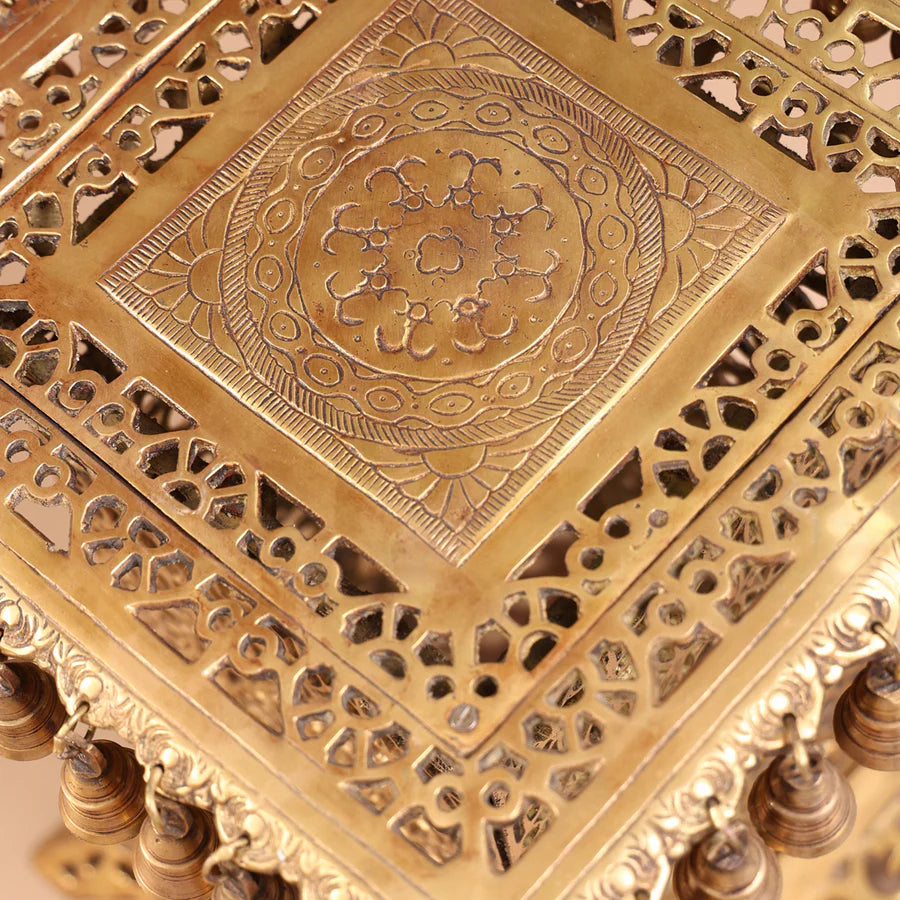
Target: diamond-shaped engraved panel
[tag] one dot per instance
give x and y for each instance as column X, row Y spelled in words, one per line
column 424, row 499
column 439, row 262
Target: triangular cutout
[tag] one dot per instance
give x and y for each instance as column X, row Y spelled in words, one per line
column 734, row 366
column 809, row 291
column 550, row 556
column 621, row 702
column 360, row 574
column 258, row 695
column 342, row 751
column 175, row 624
column 376, row 794
column 88, row 354
column 696, row 414
column 571, row 781
column 589, row 730
column 278, row 509
column 792, row 142
column 624, row 483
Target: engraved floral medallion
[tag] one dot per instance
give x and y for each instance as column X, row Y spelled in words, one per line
column 455, row 265
column 435, row 273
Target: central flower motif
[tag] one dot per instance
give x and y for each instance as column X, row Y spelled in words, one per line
column 440, row 253
column 451, row 256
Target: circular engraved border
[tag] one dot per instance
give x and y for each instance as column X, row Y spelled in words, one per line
column 263, row 360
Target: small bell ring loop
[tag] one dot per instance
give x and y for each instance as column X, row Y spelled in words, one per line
column 216, row 865
column 721, row 820
column 799, row 750
column 154, row 779
column 62, row 743
column 892, row 645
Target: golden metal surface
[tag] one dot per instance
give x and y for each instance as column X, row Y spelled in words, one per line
column 30, row 712
column 803, row 810
column 101, row 796
column 866, row 717
column 169, row 860
column 448, row 437
column 735, row 864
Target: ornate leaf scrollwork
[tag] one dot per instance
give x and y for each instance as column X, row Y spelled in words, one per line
column 190, row 775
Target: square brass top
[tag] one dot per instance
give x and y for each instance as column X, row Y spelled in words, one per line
column 442, row 416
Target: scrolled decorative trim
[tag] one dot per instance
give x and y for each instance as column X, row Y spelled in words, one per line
column 827, row 650
column 662, row 835
column 275, row 846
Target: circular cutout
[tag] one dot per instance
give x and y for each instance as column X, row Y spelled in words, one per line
column 591, row 558
column 440, row 686
column 779, row 360
column 486, row 686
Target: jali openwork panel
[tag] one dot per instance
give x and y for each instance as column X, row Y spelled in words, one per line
column 448, row 437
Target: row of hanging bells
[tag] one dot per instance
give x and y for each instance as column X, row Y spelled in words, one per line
column 104, row 799
column 800, row 805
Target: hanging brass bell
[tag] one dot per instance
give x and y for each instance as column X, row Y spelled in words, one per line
column 173, row 846
column 243, row 885
column 867, row 717
column 801, row 805
column 30, row 711
column 733, row 864
column 101, row 797
column 270, row 887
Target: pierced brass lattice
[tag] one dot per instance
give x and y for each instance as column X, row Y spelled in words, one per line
column 448, row 437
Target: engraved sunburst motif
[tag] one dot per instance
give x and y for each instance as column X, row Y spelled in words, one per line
column 435, row 269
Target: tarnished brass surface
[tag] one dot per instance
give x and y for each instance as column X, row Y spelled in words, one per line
column 101, row 797
column 865, row 868
column 804, row 811
column 737, row 866
column 867, row 717
column 449, row 437
column 168, row 861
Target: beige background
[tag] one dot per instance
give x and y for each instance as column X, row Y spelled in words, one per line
column 28, row 815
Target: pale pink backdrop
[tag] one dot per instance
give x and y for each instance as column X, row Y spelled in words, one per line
column 28, row 815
